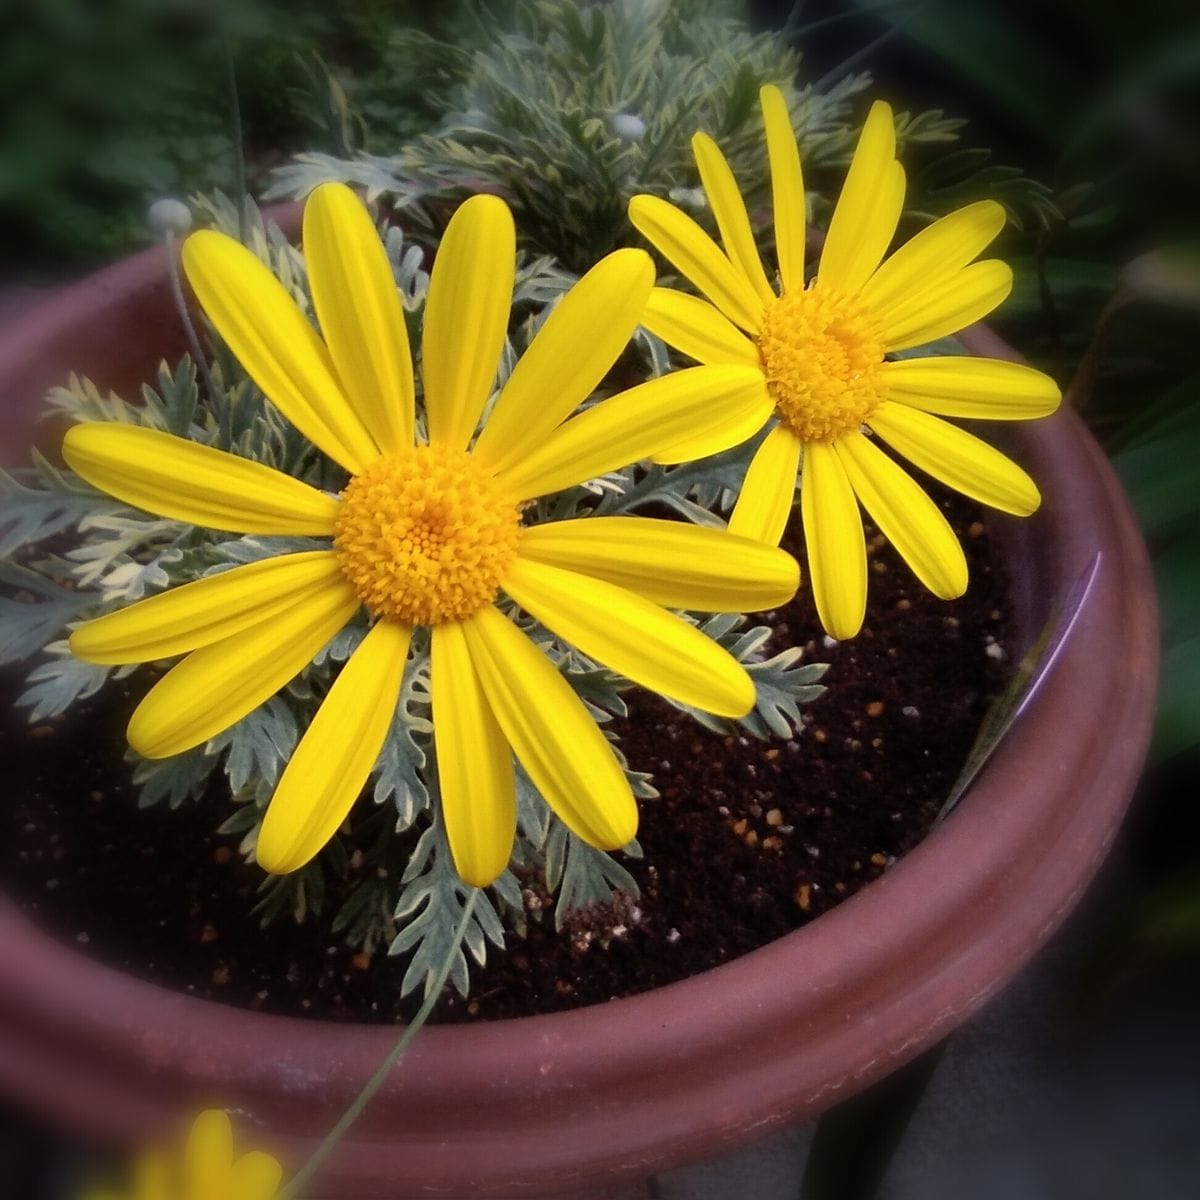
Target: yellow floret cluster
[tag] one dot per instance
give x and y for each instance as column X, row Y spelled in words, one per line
column 821, row 352
column 426, row 536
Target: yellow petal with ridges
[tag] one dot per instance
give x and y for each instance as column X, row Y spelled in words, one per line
column 713, row 439
column 699, row 402
column 466, row 317
column 334, row 758
column 939, row 250
column 475, row 766
column 565, row 755
column 833, row 534
column 359, row 310
column 698, row 329
column 697, row 257
column 788, row 202
column 868, row 210
column 769, row 490
column 957, row 458
column 954, row 303
column 986, row 388
column 633, row 636
column 572, row 352
column 276, row 345
column 905, row 515
column 727, row 206
column 255, row 1176
column 217, row 685
column 671, row 563
column 184, row 481
column 205, row 611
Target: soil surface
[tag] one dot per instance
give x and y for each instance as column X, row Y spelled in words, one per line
column 748, row 841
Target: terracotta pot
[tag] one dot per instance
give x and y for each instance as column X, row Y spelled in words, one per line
column 544, row 1105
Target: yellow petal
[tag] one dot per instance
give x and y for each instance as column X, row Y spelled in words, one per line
column 475, row 768
column 939, row 250
column 833, row 534
column 466, row 317
column 769, row 490
column 868, row 210
column 208, row 1153
column 787, row 187
column 699, row 402
column 905, row 515
column 174, row 478
column 217, row 685
column 634, row 637
column 358, row 307
column 696, row 256
column 727, row 205
column 206, row 611
column 571, row 354
column 987, row 388
column 668, row 562
column 954, row 303
column 705, row 441
column 255, row 1176
column 561, row 748
column 153, row 1176
column 276, row 345
column 696, row 328
column 957, row 458
column 335, row 756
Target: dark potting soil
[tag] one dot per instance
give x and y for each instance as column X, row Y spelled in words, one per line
column 748, row 841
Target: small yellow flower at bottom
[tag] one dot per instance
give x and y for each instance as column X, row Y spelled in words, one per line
column 206, row 1170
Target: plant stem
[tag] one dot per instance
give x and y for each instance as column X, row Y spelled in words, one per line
column 235, row 128
column 185, row 317
column 376, row 1081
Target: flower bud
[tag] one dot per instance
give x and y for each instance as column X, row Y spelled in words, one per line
column 169, row 216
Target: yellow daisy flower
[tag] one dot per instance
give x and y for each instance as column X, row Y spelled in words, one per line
column 207, row 1169
column 821, row 355
column 430, row 533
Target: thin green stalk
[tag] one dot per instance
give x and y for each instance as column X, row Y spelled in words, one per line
column 185, row 317
column 376, row 1081
column 235, row 129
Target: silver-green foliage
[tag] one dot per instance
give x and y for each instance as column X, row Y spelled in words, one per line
column 574, row 108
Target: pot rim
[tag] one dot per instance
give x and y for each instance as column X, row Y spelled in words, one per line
column 649, row 1081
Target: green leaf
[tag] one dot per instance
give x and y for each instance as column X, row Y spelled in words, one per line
column 175, row 780
column 258, row 746
column 26, row 626
column 581, row 874
column 65, row 680
column 34, row 508
column 429, row 910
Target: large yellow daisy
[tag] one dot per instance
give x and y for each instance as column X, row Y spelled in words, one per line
column 206, row 1170
column 821, row 350
column 429, row 532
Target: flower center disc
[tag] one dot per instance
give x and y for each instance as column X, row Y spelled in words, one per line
column 822, row 353
column 426, row 536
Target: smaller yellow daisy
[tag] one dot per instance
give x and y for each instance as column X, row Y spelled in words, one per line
column 207, row 1169
column 821, row 352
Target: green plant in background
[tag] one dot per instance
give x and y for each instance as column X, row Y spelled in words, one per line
column 570, row 110
column 108, row 107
